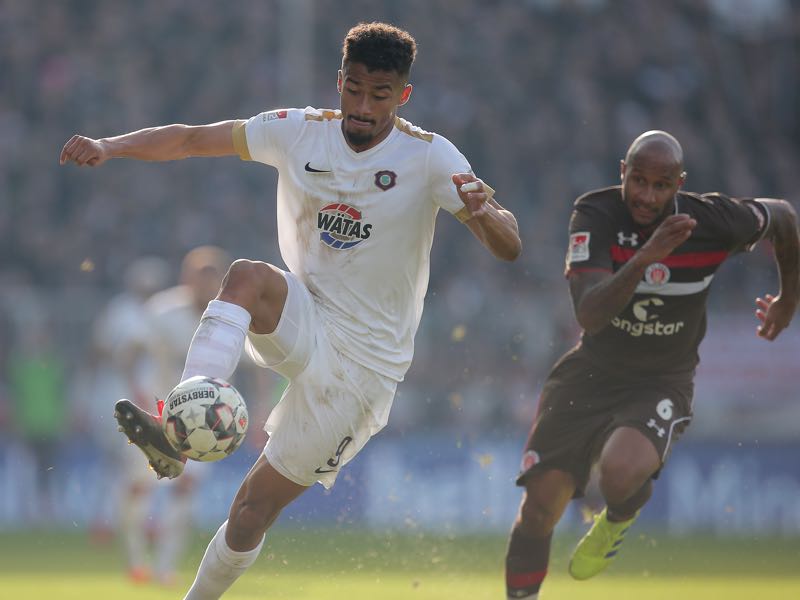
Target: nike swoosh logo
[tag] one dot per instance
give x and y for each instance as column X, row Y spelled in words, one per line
column 319, row 470
column 311, row 169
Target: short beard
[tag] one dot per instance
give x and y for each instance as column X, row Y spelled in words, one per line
column 668, row 210
column 358, row 139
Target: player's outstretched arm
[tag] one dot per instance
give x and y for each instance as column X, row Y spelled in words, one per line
column 598, row 297
column 494, row 226
column 169, row 142
column 776, row 312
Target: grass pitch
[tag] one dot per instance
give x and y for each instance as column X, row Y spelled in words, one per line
column 330, row 564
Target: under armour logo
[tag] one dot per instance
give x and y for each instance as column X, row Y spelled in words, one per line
column 632, row 239
column 660, row 430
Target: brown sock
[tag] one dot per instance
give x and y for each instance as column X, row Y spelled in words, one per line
column 526, row 563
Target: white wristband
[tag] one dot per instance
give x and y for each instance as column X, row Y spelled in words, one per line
column 478, row 186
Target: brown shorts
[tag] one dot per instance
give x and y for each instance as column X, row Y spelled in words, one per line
column 581, row 405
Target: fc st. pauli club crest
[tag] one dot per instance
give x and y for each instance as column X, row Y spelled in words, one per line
column 530, row 459
column 657, row 274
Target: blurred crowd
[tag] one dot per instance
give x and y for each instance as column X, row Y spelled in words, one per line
column 542, row 96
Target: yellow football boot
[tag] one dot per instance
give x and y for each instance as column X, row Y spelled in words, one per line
column 599, row 546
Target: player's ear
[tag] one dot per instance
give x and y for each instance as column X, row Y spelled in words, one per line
column 681, row 179
column 622, row 167
column 405, row 94
column 339, row 78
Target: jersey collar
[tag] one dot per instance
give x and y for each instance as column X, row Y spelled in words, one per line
column 366, row 153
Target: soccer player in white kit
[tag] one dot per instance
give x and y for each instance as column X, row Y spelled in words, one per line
column 146, row 342
column 358, row 193
column 119, row 333
column 172, row 319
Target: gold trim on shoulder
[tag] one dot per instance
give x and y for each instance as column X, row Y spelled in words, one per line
column 412, row 130
column 324, row 115
column 240, row 140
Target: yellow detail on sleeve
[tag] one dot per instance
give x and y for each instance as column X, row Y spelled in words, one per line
column 463, row 215
column 240, row 140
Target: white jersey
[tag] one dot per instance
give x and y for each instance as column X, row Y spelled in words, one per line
column 120, row 327
column 357, row 227
column 172, row 318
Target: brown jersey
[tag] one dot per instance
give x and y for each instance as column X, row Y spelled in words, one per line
column 658, row 333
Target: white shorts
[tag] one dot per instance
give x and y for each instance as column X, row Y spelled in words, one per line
column 332, row 405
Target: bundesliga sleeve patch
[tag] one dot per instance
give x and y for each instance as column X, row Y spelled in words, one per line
column 274, row 115
column 578, row 247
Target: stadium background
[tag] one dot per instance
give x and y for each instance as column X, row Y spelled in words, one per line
column 543, row 97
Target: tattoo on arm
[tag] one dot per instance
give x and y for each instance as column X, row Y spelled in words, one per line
column 598, row 297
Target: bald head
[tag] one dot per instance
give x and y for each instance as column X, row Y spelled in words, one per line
column 656, row 145
column 652, row 173
column 204, row 258
column 202, row 271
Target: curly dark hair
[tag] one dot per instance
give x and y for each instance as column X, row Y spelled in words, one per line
column 379, row 46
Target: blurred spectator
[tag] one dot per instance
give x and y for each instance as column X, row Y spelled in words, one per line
column 37, row 388
column 119, row 332
column 147, row 331
column 541, row 95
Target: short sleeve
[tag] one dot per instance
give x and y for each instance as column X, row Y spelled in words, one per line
column 589, row 240
column 445, row 161
column 740, row 222
column 267, row 137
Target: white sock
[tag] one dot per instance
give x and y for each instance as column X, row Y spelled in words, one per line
column 173, row 529
column 217, row 344
column 133, row 516
column 220, row 567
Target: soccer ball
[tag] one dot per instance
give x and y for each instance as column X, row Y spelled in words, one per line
column 204, row 418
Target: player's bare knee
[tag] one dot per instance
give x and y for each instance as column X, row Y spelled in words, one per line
column 619, row 481
column 240, row 284
column 537, row 518
column 622, row 474
column 247, row 282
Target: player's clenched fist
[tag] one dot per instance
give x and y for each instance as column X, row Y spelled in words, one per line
column 84, row 151
column 671, row 233
column 473, row 192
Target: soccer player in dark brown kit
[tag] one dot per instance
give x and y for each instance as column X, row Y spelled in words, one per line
column 641, row 258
